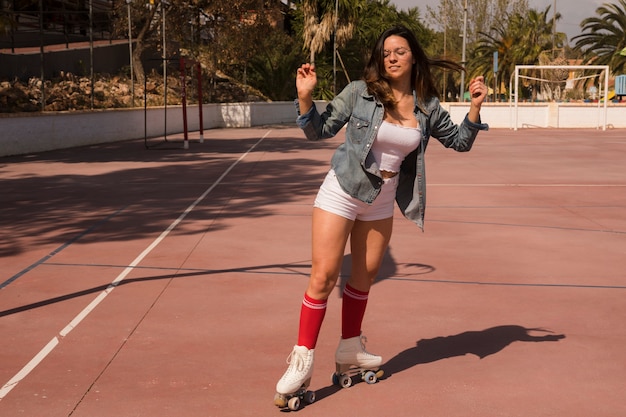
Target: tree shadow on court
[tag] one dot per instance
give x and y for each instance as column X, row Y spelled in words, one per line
column 296, row 268
column 481, row 343
column 390, row 268
column 129, row 192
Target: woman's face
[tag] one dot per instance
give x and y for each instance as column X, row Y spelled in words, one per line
column 398, row 58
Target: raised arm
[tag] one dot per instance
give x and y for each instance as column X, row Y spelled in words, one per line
column 306, row 80
column 478, row 92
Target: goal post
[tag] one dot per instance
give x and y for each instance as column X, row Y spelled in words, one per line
column 603, row 70
column 184, row 64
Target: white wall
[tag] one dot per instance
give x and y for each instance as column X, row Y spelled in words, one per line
column 37, row 132
column 546, row 115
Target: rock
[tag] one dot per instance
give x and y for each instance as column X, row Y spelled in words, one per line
column 70, row 92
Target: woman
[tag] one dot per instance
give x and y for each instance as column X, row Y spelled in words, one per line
column 390, row 115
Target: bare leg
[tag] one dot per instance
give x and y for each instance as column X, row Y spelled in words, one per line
column 330, row 235
column 369, row 242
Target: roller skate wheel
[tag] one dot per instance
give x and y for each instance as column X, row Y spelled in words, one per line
column 309, row 397
column 345, row 381
column 370, row 377
column 294, row 403
column 280, row 400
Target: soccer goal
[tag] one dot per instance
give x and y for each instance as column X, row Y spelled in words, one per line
column 559, row 83
column 184, row 65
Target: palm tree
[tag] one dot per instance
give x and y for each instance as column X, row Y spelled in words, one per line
column 519, row 39
column 370, row 19
column 274, row 65
column 604, row 37
column 320, row 22
column 500, row 40
column 537, row 36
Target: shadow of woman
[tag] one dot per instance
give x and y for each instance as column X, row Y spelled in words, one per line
column 389, row 268
column 480, row 343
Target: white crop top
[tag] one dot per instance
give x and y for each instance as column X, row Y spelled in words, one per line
column 393, row 143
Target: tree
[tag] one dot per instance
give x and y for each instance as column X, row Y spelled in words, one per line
column 239, row 32
column 223, row 36
column 144, row 23
column 537, row 35
column 502, row 40
column 320, row 23
column 519, row 39
column 273, row 68
column 6, row 21
column 487, row 19
column 367, row 20
column 484, row 16
column 376, row 16
column 243, row 38
column 604, row 37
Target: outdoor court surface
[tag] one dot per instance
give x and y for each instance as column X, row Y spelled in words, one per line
column 168, row 282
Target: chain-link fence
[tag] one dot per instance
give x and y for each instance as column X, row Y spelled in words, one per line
column 61, row 55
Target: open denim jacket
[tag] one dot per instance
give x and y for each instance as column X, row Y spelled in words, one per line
column 354, row 164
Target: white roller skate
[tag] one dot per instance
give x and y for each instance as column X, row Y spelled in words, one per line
column 291, row 389
column 352, row 359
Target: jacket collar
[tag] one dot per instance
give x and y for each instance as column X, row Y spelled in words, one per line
column 425, row 106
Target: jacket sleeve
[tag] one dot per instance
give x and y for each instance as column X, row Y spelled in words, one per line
column 318, row 126
column 458, row 137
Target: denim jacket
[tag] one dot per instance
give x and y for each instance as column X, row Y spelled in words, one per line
column 357, row 171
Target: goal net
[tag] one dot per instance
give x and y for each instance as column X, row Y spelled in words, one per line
column 560, row 84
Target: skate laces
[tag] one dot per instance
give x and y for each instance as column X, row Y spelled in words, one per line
column 296, row 360
column 363, row 342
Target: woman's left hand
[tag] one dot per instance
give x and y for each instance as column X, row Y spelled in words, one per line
column 478, row 93
column 478, row 90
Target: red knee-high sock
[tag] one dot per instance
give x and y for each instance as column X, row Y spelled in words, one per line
column 311, row 317
column 352, row 312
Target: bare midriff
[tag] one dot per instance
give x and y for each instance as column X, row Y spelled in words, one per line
column 388, row 174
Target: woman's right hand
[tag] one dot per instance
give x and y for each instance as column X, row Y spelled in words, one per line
column 306, row 80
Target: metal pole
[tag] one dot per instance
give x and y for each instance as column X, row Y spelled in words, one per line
column 130, row 55
column 496, row 96
column 335, row 48
column 606, row 94
column 41, row 57
column 12, row 28
column 445, row 48
column 554, row 30
column 163, row 4
column 200, row 102
column 145, row 112
column 462, row 98
column 516, row 95
column 67, row 40
column 184, row 102
column 91, row 50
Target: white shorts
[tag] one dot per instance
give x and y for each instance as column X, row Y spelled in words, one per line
column 332, row 198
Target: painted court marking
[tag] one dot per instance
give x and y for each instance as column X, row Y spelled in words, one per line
column 528, row 185
column 45, row 351
column 59, row 249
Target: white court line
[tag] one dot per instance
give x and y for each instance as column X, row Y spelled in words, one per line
column 527, row 185
column 43, row 353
